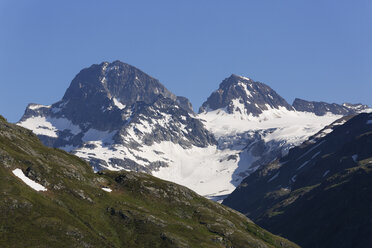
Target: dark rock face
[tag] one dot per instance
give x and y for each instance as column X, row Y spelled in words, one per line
column 320, row 188
column 185, row 104
column 256, row 97
column 190, row 131
column 110, row 87
column 322, row 108
column 117, row 79
column 98, row 94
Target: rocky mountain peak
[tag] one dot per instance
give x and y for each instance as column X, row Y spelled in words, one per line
column 101, row 96
column 185, row 103
column 117, row 110
column 243, row 95
column 115, row 80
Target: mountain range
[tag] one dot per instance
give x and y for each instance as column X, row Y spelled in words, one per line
column 118, row 117
column 301, row 171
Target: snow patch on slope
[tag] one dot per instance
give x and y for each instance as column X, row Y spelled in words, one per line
column 118, row 103
column 49, row 126
column 34, row 185
column 107, row 189
column 245, row 88
column 37, row 106
column 208, row 170
column 290, row 124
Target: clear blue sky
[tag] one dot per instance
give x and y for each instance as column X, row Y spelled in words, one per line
column 316, row 50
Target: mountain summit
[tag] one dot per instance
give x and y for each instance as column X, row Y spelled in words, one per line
column 112, row 106
column 116, row 80
column 103, row 94
column 243, row 95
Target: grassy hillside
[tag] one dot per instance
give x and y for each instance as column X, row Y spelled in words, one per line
column 141, row 210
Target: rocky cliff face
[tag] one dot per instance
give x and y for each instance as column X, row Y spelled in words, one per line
column 98, row 95
column 185, row 104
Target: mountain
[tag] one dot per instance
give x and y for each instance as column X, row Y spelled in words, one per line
column 323, row 108
column 98, row 96
column 117, row 117
column 50, row 198
column 115, row 103
column 319, row 195
column 243, row 95
column 252, row 119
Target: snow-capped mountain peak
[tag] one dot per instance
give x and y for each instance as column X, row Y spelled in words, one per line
column 117, row 117
column 238, row 94
column 115, row 80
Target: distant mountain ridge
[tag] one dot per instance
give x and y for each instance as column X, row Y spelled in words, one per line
column 322, row 108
